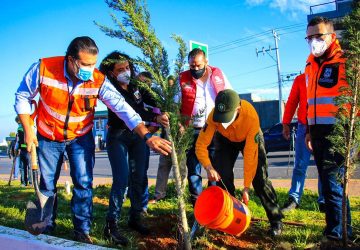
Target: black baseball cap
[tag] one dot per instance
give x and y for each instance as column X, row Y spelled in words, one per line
column 226, row 103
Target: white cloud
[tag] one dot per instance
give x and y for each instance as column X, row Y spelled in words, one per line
column 293, row 7
column 271, row 93
column 254, row 2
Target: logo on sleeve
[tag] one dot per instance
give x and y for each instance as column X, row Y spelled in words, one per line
column 257, row 138
column 329, row 76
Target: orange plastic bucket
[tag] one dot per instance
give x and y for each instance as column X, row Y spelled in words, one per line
column 215, row 208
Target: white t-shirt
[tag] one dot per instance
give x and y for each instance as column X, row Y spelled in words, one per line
column 205, row 100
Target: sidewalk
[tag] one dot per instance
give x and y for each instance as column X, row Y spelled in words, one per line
column 310, row 184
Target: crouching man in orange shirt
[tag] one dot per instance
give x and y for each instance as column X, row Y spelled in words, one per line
column 235, row 124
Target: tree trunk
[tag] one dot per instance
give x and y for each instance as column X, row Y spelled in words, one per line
column 180, row 192
column 349, row 145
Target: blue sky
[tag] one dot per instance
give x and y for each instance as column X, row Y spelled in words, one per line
column 30, row 30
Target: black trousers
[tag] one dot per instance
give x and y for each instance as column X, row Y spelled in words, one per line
column 226, row 153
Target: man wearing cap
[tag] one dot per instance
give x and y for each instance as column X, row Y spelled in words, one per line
column 235, row 126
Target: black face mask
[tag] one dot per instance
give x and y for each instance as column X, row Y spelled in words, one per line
column 197, row 74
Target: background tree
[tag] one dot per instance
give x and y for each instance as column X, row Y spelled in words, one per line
column 132, row 24
column 346, row 136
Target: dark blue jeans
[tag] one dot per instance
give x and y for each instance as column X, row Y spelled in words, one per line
column 127, row 155
column 331, row 172
column 81, row 153
column 24, row 166
column 194, row 169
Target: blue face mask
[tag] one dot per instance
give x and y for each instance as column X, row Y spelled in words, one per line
column 84, row 73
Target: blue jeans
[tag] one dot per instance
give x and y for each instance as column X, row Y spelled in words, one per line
column 194, row 169
column 331, row 172
column 81, row 153
column 24, row 164
column 127, row 155
column 302, row 159
column 145, row 196
column 16, row 166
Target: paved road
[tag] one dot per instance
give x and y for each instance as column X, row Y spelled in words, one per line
column 279, row 166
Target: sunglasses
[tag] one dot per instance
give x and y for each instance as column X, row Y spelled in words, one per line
column 317, row 36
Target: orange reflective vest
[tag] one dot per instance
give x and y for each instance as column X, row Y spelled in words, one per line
column 62, row 115
column 323, row 83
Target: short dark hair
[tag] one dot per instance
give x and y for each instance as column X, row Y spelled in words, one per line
column 195, row 52
column 320, row 19
column 171, row 77
column 146, row 74
column 108, row 63
column 83, row 43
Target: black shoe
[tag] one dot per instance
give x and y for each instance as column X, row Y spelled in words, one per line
column 136, row 224
column 289, row 205
column 276, row 229
column 322, row 207
column 82, row 237
column 111, row 233
column 49, row 230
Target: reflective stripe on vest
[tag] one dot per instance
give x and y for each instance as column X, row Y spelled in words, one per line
column 54, row 83
column 321, row 120
column 321, row 100
column 61, row 117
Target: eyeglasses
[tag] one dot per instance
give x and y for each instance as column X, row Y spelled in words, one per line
column 317, row 36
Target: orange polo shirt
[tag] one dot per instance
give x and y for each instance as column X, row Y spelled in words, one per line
column 246, row 127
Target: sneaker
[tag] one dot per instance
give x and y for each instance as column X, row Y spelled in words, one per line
column 82, row 237
column 289, row 205
column 111, row 233
column 136, row 224
column 275, row 229
column 322, row 207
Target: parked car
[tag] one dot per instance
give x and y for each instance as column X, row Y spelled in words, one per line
column 274, row 140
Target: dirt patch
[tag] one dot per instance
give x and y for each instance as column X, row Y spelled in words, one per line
column 101, row 201
column 20, row 196
column 164, row 236
column 162, row 233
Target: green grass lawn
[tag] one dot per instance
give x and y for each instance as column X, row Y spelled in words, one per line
column 162, row 220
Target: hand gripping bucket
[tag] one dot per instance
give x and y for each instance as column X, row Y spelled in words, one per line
column 215, row 208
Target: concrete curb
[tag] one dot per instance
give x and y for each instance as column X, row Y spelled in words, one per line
column 14, row 239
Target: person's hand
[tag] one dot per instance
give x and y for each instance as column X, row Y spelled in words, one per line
column 160, row 145
column 181, row 129
column 163, row 119
column 286, row 131
column 308, row 142
column 212, row 174
column 30, row 138
column 245, row 196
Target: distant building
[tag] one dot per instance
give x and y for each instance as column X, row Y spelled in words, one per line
column 100, row 129
column 336, row 11
column 268, row 111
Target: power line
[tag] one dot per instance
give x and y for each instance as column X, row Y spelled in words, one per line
column 252, row 71
column 220, row 46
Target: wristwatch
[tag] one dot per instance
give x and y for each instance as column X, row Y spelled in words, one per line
column 147, row 136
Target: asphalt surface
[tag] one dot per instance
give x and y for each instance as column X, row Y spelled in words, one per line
column 280, row 166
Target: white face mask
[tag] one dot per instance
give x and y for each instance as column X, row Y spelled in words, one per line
column 227, row 124
column 124, row 77
column 317, row 47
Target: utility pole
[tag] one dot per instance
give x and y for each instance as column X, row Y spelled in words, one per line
column 277, row 60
